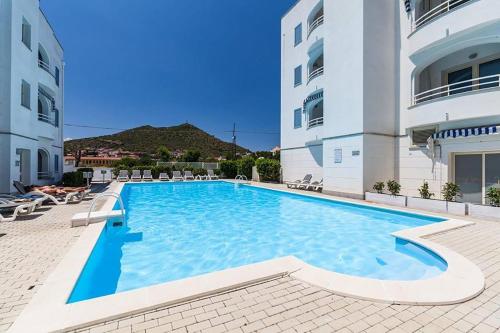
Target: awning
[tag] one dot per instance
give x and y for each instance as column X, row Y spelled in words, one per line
column 311, row 98
column 465, row 132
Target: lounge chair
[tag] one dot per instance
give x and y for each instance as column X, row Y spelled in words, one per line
column 211, row 175
column 25, row 209
column 315, row 186
column 298, row 182
column 146, row 176
column 38, row 199
column 164, row 177
column 188, row 175
column 136, row 176
column 123, row 176
column 201, row 177
column 177, row 175
column 62, row 199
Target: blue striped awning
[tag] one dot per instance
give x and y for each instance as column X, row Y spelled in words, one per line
column 465, row 132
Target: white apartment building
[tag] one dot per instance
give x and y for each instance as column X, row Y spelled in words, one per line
column 31, row 96
column 392, row 89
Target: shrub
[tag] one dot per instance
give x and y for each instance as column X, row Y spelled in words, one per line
column 493, row 195
column 450, row 191
column 394, row 187
column 74, row 178
column 245, row 166
column 199, row 172
column 229, row 169
column 424, row 191
column 191, row 156
column 379, row 187
column 269, row 170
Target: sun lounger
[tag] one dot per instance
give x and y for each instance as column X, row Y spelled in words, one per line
column 26, row 208
column 123, row 176
column 136, row 176
column 164, row 177
column 63, row 199
column 38, row 199
column 314, row 186
column 211, row 175
column 146, row 176
column 188, row 175
column 177, row 175
column 306, row 180
column 201, row 177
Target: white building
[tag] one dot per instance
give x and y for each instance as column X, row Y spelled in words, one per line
column 31, row 96
column 366, row 83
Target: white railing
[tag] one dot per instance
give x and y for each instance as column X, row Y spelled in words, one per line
column 315, row 73
column 316, row 23
column 46, row 67
column 315, row 122
column 46, row 119
column 490, row 81
column 441, row 9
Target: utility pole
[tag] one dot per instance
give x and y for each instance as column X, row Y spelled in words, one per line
column 234, row 139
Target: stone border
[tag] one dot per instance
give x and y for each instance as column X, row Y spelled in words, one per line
column 48, row 311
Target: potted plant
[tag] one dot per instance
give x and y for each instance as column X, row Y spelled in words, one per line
column 393, row 198
column 492, row 211
column 425, row 202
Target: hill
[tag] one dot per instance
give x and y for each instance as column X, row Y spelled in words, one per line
column 147, row 139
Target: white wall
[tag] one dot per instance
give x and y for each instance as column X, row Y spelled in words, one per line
column 296, row 163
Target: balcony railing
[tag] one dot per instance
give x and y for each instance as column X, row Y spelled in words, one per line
column 437, row 11
column 316, row 23
column 44, row 175
column 461, row 87
column 43, row 65
column 315, row 122
column 315, row 73
column 46, row 119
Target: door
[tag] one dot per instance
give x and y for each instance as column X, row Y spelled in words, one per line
column 491, row 171
column 25, row 167
column 458, row 76
column 488, row 69
column 469, row 176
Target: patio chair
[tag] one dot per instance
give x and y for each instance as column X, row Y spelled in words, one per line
column 211, row 175
column 21, row 209
column 63, row 199
column 164, row 177
column 188, row 175
column 315, row 186
column 38, row 199
column 123, row 176
column 177, row 176
column 136, row 176
column 147, row 176
column 201, row 177
column 7, row 204
column 295, row 184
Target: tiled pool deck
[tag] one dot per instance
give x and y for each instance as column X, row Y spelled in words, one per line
column 33, row 246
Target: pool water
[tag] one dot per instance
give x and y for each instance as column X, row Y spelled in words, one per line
column 180, row 230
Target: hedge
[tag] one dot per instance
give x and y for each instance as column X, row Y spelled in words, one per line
column 245, row 166
column 268, row 169
column 156, row 170
column 229, row 168
column 75, row 178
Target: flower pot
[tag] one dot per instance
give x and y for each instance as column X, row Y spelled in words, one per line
column 387, row 199
column 487, row 212
column 440, row 206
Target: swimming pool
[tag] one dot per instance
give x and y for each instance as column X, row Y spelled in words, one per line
column 180, row 230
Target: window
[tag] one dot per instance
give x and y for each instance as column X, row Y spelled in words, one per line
column 26, row 34
column 57, row 76
column 25, row 94
column 298, row 34
column 297, row 118
column 56, row 117
column 56, row 163
column 454, row 79
column 420, row 136
column 488, row 69
column 298, row 76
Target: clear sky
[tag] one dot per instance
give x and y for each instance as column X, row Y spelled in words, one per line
column 164, row 62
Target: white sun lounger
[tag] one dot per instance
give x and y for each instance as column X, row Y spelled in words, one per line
column 146, row 176
column 177, row 175
column 136, row 176
column 123, row 176
column 211, row 175
column 39, row 199
column 315, row 186
column 26, row 208
column 188, row 175
column 72, row 197
column 164, row 177
column 298, row 182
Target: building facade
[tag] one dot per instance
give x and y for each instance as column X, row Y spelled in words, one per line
column 31, row 96
column 405, row 90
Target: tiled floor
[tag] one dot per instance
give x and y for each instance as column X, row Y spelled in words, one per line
column 33, row 247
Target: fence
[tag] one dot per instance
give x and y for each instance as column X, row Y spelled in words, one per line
column 194, row 165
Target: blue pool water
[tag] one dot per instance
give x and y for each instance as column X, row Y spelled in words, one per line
column 179, row 230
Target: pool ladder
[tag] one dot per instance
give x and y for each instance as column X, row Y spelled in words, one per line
column 108, row 194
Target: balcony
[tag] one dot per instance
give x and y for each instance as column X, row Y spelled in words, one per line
column 315, row 24
column 46, row 67
column 315, row 73
column 427, row 15
column 47, row 119
column 315, row 115
column 316, row 67
column 315, row 122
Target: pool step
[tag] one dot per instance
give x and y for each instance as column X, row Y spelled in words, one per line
column 80, row 219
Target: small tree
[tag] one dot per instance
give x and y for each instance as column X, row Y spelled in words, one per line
column 394, row 187
column 145, row 160
column 245, row 166
column 229, row 169
column 450, row 191
column 379, row 187
column 191, row 156
column 268, row 169
column 163, row 154
column 493, row 195
column 424, row 191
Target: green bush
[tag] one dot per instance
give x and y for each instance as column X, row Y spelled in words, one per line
column 394, row 187
column 424, row 191
column 245, row 166
column 74, row 178
column 229, row 169
column 268, row 169
column 379, row 187
column 450, row 191
column 199, row 172
column 493, row 195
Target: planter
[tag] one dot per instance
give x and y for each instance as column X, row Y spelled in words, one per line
column 488, row 212
column 440, row 206
column 387, row 199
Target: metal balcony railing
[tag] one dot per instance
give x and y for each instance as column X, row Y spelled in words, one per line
column 315, row 122
column 46, row 119
column 315, row 73
column 46, row 67
column 437, row 11
column 44, row 174
column 484, row 82
column 316, row 23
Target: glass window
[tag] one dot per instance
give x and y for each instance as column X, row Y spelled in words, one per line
column 26, row 34
column 297, row 118
column 56, row 163
column 25, row 94
column 492, row 171
column 298, row 76
column 487, row 69
column 298, row 34
column 57, row 76
column 454, row 79
column 469, row 176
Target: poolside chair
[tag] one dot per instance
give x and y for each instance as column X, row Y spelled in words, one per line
column 123, row 176
column 22, row 209
column 136, row 176
column 188, row 175
column 201, row 177
column 147, row 176
column 177, row 175
column 164, row 177
column 211, row 175
column 63, row 199
column 315, row 186
column 295, row 184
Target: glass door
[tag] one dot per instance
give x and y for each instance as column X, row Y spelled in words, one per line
column 469, row 176
column 491, row 171
column 454, row 79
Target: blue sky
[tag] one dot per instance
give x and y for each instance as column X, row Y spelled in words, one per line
column 165, row 62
